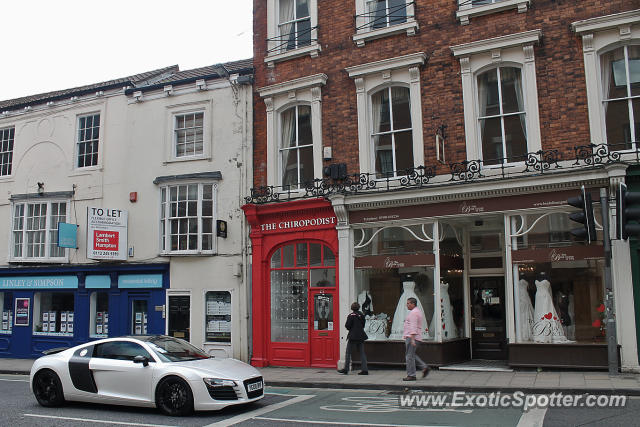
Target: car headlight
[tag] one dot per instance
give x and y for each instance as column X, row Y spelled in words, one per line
column 219, row 382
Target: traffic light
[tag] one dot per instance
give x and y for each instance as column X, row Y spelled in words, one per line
column 625, row 212
column 585, row 217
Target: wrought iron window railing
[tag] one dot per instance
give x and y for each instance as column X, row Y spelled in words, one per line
column 376, row 17
column 465, row 172
column 299, row 36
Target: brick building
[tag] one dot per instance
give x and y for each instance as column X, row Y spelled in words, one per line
column 403, row 144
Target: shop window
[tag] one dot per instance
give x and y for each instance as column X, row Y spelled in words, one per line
column 558, row 284
column 53, row 313
column 389, row 269
column 99, row 315
column 218, row 317
column 294, row 268
column 7, row 312
column 452, row 313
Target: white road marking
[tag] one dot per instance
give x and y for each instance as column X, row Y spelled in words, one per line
column 298, row 421
column 532, row 418
column 88, row 420
column 255, row 413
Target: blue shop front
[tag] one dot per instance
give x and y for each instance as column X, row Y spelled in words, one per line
column 49, row 307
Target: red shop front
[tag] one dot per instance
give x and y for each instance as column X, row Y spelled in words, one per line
column 294, row 284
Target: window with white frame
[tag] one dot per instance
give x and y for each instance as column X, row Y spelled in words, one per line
column 391, row 133
column 35, row 231
column 500, row 98
column 380, row 18
column 296, row 147
column 294, row 131
column 187, row 218
column 188, row 131
column 6, row 150
column 611, row 49
column 501, row 115
column 88, row 138
column 291, row 29
column 389, row 115
column 470, row 8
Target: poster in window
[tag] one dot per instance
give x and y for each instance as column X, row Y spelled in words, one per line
column 70, row 316
column 63, row 327
column 70, row 328
column 22, row 311
column 45, row 316
column 63, row 316
column 52, row 327
column 45, row 327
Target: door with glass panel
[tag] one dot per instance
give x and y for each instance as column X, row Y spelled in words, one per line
column 488, row 326
column 299, row 273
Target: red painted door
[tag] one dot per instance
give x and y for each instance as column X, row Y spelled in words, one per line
column 323, row 328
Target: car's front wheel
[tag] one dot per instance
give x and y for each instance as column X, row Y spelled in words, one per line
column 47, row 388
column 174, row 397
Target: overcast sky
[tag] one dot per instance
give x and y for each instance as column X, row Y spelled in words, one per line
column 58, row 44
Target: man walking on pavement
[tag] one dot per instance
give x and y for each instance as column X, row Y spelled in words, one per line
column 412, row 337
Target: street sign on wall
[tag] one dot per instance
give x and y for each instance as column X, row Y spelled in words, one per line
column 106, row 233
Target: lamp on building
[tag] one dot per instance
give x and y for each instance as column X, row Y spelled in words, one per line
column 40, row 188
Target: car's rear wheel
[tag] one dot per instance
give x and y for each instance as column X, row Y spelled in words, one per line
column 174, row 397
column 47, row 388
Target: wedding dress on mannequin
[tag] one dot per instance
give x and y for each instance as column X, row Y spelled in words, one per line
column 526, row 314
column 449, row 329
column 397, row 327
column 547, row 326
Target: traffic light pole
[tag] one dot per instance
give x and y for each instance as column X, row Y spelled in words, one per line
column 612, row 344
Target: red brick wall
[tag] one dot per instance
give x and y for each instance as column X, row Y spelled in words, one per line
column 559, row 71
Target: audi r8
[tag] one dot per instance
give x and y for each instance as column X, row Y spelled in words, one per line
column 144, row 370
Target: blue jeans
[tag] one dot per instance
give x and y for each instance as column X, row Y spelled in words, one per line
column 412, row 358
column 347, row 356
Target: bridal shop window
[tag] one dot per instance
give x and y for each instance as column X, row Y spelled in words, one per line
column 451, row 283
column 558, row 282
column 392, row 264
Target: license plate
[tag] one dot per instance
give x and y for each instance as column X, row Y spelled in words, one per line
column 255, row 386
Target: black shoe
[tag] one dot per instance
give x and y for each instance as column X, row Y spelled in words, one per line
column 363, row 373
column 343, row 371
column 425, row 372
column 409, row 379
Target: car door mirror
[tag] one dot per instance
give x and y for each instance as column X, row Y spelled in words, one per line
column 141, row 359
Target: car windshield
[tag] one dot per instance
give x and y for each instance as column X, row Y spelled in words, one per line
column 171, row 349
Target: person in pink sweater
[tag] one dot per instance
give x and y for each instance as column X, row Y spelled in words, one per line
column 412, row 335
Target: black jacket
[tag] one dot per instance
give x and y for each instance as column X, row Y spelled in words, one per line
column 355, row 325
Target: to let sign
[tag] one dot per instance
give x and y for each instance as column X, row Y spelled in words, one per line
column 106, row 233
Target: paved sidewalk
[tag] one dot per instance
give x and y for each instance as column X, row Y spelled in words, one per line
column 530, row 381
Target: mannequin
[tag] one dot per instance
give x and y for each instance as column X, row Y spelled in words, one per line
column 526, row 314
column 408, row 291
column 366, row 303
column 546, row 327
column 449, row 329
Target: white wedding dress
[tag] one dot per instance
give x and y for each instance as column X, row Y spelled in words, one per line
column 449, row 329
column 526, row 314
column 397, row 327
column 546, row 325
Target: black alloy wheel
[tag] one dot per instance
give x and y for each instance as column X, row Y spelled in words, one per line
column 174, row 397
column 47, row 388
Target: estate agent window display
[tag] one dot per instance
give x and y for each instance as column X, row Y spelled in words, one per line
column 560, row 299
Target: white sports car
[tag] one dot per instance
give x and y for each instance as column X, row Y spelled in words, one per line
column 144, row 370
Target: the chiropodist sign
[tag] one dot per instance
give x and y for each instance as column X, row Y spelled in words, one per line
column 106, row 233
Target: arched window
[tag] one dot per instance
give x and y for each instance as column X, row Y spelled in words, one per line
column 501, row 115
column 621, row 97
column 296, row 147
column 391, row 133
column 294, row 268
